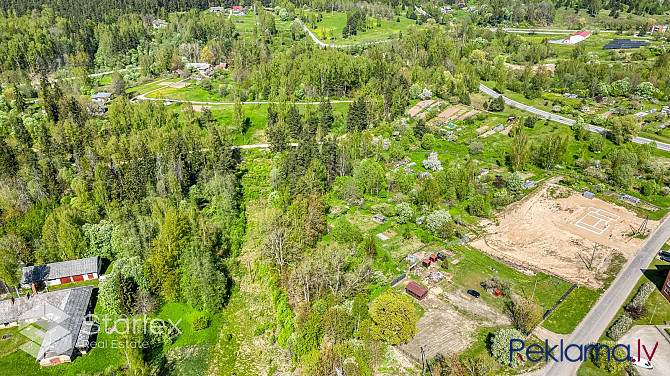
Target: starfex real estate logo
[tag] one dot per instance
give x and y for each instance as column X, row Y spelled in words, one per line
column 575, row 352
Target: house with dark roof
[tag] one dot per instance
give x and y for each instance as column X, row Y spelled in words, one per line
column 61, row 315
column 62, row 272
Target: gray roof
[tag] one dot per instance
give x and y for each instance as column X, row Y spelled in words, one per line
column 101, row 95
column 63, row 310
column 46, row 272
column 62, row 335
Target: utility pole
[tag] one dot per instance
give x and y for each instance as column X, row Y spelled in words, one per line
column 533, row 296
column 652, row 314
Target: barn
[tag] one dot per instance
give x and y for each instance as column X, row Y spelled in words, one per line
column 62, row 272
column 416, row 290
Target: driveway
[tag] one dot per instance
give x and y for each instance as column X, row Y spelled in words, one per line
column 649, row 335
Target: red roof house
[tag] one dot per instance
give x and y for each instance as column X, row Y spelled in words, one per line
column 237, row 7
column 416, row 290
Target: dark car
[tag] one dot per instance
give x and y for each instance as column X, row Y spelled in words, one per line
column 473, row 293
column 664, row 253
column 666, row 259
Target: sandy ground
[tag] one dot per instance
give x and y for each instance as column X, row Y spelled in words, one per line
column 199, row 108
column 449, row 323
column 649, row 335
column 549, row 234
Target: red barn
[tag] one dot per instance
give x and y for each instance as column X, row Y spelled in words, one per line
column 416, row 290
column 433, row 257
column 426, row 262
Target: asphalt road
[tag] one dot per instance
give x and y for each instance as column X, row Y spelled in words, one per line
column 602, row 313
column 564, row 120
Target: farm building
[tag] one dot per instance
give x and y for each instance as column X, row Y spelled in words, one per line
column 574, row 38
column 62, row 272
column 416, row 290
column 62, row 313
column 426, row 262
column 433, row 257
column 217, row 9
column 441, row 256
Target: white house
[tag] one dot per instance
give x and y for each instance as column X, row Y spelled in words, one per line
column 574, row 38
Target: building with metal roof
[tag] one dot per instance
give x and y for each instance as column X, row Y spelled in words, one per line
column 62, row 272
column 61, row 314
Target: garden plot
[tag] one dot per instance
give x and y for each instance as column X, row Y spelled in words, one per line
column 449, row 327
column 573, row 238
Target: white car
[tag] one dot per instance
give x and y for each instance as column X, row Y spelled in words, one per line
column 643, row 363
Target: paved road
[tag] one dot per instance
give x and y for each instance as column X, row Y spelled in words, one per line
column 320, row 43
column 564, row 120
column 602, row 313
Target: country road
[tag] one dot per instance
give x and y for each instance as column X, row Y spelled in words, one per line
column 564, row 120
column 602, row 313
column 560, row 31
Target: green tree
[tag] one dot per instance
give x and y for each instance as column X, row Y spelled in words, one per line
column 394, row 318
column 500, row 347
column 604, row 353
column 163, row 264
column 345, row 231
column 428, row 141
column 623, row 129
column 515, row 182
column 526, row 314
column 518, row 151
column 404, row 212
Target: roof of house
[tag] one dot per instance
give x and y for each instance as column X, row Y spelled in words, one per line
column 101, row 95
column 584, row 34
column 237, row 7
column 46, row 272
column 62, row 335
column 64, row 310
column 416, row 289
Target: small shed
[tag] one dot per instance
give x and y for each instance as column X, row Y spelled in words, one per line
column 497, row 292
column 379, row 218
column 416, row 290
column 426, row 263
column 441, row 256
column 433, row 257
column 589, row 195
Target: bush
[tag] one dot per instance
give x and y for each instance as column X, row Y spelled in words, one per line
column 476, row 147
column 500, row 347
column 636, row 312
column 405, row 212
column 526, row 314
column 199, row 323
column 610, row 364
column 620, row 327
column 495, row 282
column 642, row 295
column 436, row 221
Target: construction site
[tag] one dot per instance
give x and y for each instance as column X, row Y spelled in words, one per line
column 563, row 233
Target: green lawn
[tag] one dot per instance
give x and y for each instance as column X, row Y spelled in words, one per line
column 570, row 313
column 329, row 30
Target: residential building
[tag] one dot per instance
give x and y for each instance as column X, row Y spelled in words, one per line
column 665, row 289
column 217, row 9
column 62, row 316
column 574, row 38
column 157, row 24
column 660, row 28
column 62, row 272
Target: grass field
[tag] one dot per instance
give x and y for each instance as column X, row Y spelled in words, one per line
column 329, row 30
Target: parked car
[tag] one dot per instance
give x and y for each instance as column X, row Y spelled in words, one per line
column 666, row 259
column 473, row 293
column 643, row 363
column 664, row 253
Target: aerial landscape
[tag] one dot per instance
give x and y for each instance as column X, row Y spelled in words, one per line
column 344, row 188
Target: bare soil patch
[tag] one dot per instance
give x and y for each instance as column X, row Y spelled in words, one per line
column 555, row 230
